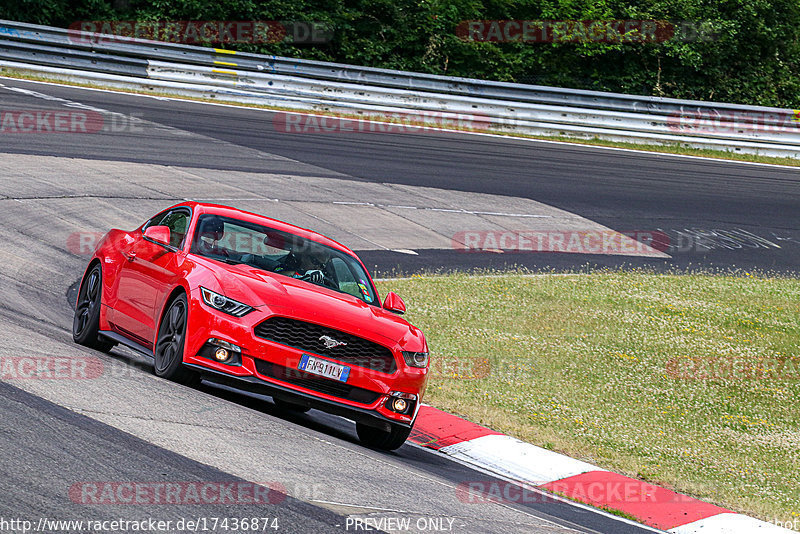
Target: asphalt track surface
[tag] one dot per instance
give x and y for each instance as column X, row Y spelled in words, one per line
column 683, row 197
column 125, row 425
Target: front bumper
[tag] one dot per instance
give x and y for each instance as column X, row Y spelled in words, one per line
column 274, row 390
column 259, row 354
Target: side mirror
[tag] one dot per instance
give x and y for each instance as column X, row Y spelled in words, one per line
column 159, row 234
column 394, row 303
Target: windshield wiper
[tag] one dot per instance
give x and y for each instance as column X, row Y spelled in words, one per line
column 229, row 261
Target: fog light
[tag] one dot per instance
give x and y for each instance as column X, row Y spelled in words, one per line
column 224, row 344
column 402, row 403
column 221, row 354
column 399, row 405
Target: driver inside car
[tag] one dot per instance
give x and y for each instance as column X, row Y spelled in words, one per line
column 306, row 265
column 209, row 233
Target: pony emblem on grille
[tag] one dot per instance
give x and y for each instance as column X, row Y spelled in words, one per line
column 331, row 343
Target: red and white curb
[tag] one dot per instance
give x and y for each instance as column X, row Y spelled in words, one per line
column 540, row 468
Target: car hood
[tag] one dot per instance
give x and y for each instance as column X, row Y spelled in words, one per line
column 289, row 297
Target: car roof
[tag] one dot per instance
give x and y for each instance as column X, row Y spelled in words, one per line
column 235, row 213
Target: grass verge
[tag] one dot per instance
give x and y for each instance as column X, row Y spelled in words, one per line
column 672, row 148
column 629, row 371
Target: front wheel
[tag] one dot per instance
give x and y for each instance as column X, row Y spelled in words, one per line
column 170, row 342
column 86, row 322
column 382, row 439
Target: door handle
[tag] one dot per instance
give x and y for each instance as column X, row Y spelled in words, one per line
column 130, row 255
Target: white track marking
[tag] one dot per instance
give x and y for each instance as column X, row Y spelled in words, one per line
column 576, row 144
column 517, row 459
column 729, row 524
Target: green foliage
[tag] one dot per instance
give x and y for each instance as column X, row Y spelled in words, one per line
column 751, row 56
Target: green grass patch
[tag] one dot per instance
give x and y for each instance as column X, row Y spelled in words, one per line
column 580, row 364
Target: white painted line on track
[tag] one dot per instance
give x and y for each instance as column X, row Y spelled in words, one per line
column 515, row 458
column 550, row 496
column 729, row 524
column 577, row 145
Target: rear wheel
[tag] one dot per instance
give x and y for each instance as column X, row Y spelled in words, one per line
column 170, row 342
column 290, row 406
column 382, row 439
column 86, row 322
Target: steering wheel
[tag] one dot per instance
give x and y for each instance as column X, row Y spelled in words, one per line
column 211, row 249
column 316, row 276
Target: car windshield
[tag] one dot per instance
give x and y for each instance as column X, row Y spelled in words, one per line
column 235, row 241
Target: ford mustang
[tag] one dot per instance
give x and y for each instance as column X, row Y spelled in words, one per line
column 212, row 292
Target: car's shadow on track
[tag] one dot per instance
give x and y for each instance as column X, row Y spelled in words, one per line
column 313, row 420
column 333, row 426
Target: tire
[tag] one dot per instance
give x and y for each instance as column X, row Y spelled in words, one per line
column 168, row 355
column 290, row 406
column 86, row 321
column 382, row 439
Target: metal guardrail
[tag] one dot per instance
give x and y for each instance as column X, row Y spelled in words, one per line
column 76, row 59
column 314, row 85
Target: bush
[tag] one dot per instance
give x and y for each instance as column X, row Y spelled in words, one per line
column 751, row 59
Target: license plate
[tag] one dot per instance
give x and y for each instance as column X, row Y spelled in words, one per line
column 320, row 367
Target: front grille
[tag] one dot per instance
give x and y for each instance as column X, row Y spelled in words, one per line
column 306, row 337
column 316, row 383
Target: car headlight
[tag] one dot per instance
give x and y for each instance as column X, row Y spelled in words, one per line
column 224, row 304
column 416, row 359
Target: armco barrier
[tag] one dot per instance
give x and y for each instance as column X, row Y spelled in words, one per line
column 313, row 85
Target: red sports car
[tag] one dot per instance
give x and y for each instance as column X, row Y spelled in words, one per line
column 213, row 292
